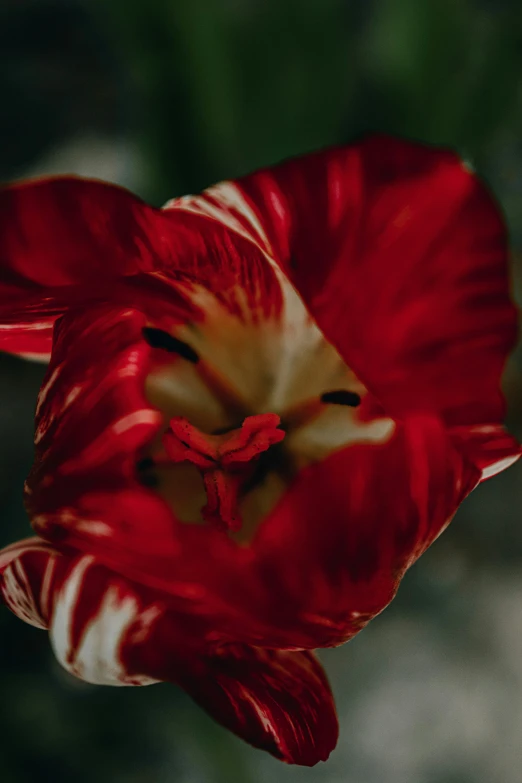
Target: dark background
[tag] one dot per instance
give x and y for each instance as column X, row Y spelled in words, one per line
column 165, row 97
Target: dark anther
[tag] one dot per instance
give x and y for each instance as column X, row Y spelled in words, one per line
column 342, row 397
column 158, row 338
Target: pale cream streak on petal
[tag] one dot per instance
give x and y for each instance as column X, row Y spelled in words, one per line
column 72, row 396
column 499, row 466
column 45, row 592
column 36, row 357
column 276, row 198
column 28, row 327
column 32, row 544
column 300, row 341
column 178, row 390
column 272, row 364
column 244, row 352
column 481, row 429
column 133, row 366
column 68, row 517
column 42, row 429
column 290, row 349
column 144, row 625
column 294, row 340
column 232, row 200
column 64, row 605
column 490, row 430
column 275, row 364
column 94, row 527
column 19, row 597
column 42, row 395
column 259, row 709
column 97, row 657
column 145, row 416
column 262, row 714
column 336, row 427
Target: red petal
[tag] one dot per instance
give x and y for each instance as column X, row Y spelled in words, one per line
column 92, row 615
column 400, row 254
column 92, row 421
column 109, row 631
column 104, row 628
column 334, row 551
column 92, row 411
column 277, row 701
column 350, row 526
column 326, row 561
column 329, row 558
column 68, row 241
column 412, row 286
column 489, row 447
column 58, row 235
column 26, row 570
column 84, row 492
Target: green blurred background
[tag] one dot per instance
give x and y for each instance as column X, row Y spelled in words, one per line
column 165, row 97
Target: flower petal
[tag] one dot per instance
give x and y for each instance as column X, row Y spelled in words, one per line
column 349, row 526
column 92, row 421
column 67, row 241
column 110, row 631
column 401, row 257
column 326, row 561
column 59, row 238
column 275, row 700
column 489, row 446
column 92, row 615
column 26, row 570
column 84, row 490
column 334, row 551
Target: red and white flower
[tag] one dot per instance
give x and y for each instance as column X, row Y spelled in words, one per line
column 263, row 404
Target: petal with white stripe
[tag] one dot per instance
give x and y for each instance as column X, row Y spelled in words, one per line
column 275, row 700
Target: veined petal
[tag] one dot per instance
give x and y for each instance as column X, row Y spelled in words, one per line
column 92, row 420
column 327, row 559
column 92, row 409
column 31, row 340
column 401, row 257
column 334, row 551
column 63, row 239
column 489, row 446
column 332, row 531
column 110, row 631
column 26, row 573
column 275, row 700
column 69, row 241
column 92, row 615
column 84, row 491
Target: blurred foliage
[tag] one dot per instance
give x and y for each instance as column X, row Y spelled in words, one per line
column 208, row 89
column 253, row 81
column 214, row 88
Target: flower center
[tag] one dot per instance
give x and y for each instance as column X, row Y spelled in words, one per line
column 226, row 460
column 237, row 365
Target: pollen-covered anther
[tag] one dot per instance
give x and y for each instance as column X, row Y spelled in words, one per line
column 224, row 460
